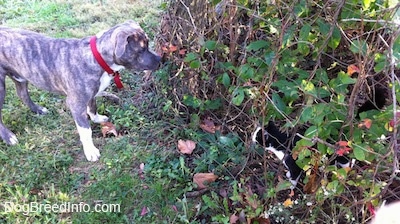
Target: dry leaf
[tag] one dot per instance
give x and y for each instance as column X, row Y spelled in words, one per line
column 312, row 184
column 141, row 171
column 208, row 126
column 351, row 69
column 250, row 199
column 261, row 220
column 343, row 149
column 172, row 48
column 390, row 126
column 144, row 211
column 202, row 179
column 288, row 203
column 347, row 169
column 169, row 48
column 108, row 128
column 233, row 219
column 366, row 122
column 186, row 146
column 182, row 51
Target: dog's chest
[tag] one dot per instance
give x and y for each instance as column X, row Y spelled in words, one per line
column 106, row 78
column 105, row 81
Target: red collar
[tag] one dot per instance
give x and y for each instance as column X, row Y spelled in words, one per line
column 104, row 64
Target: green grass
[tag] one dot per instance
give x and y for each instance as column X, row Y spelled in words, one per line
column 48, row 165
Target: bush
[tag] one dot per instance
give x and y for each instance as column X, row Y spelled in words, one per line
column 247, row 62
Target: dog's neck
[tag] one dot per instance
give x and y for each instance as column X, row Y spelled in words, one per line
column 111, row 71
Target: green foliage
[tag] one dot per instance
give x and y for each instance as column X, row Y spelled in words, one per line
column 288, row 62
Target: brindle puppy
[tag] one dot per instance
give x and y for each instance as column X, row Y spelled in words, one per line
column 68, row 67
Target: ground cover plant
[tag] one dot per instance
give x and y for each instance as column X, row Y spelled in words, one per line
column 183, row 151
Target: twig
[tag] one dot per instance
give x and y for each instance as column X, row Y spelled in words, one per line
column 190, row 16
column 327, row 38
column 315, row 140
column 178, row 72
column 395, row 147
column 195, row 194
column 382, row 21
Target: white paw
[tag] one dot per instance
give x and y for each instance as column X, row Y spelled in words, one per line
column 99, row 118
column 43, row 110
column 13, row 140
column 92, row 153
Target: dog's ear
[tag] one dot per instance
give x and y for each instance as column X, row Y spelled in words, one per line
column 121, row 40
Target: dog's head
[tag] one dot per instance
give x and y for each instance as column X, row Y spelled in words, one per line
column 130, row 47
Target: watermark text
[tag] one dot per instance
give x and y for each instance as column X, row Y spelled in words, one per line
column 65, row 207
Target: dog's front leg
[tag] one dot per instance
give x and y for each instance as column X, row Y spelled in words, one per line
column 79, row 113
column 92, row 112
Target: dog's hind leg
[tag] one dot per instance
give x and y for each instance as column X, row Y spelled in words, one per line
column 23, row 93
column 79, row 113
column 92, row 112
column 5, row 134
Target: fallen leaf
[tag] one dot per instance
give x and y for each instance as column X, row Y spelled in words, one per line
column 108, row 128
column 172, row 48
column 288, row 203
column 208, row 125
column 242, row 217
column 34, row 191
column 202, row 179
column 223, row 193
column 351, row 69
column 250, row 199
column 144, row 211
column 233, row 219
column 261, row 220
column 365, row 123
column 182, row 51
column 141, row 171
column 169, row 48
column 186, row 146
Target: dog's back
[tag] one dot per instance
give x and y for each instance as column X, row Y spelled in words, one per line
column 54, row 59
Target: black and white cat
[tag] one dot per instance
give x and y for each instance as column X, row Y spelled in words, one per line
column 282, row 144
